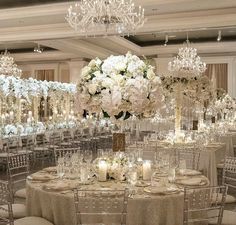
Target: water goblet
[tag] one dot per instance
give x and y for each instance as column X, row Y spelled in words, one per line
column 60, row 171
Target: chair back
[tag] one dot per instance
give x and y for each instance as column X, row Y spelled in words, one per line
column 204, row 204
column 13, row 144
column 229, row 173
column 62, row 152
column 5, row 199
column 190, row 155
column 101, row 206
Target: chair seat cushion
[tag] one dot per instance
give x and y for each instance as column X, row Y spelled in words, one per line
column 220, row 166
column 228, row 199
column 25, row 151
column 53, row 146
column 19, row 211
column 32, row 221
column 40, row 149
column 20, row 193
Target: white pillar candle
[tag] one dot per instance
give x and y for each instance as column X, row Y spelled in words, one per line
column 102, row 171
column 171, row 175
column 147, row 170
column 11, row 114
column 30, row 114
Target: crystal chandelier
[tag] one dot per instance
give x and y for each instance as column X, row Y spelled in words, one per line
column 8, row 66
column 187, row 63
column 117, row 16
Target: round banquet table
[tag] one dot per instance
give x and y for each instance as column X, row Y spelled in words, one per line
column 143, row 209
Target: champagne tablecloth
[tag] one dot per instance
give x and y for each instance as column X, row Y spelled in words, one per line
column 58, row 207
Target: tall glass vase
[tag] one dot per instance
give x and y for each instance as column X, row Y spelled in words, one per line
column 118, row 140
column 178, row 111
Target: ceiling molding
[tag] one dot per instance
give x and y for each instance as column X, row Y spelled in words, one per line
column 78, row 47
column 44, row 56
column 130, row 46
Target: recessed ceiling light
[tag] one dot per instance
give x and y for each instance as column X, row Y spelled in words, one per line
column 172, row 36
column 219, row 36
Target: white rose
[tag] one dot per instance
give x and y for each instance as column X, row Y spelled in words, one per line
column 150, row 74
column 92, row 88
column 85, row 72
column 92, row 63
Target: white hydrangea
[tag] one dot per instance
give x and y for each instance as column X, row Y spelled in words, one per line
column 120, row 84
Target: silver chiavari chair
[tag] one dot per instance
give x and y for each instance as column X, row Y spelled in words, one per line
column 98, row 206
column 204, row 205
column 8, row 210
column 18, row 170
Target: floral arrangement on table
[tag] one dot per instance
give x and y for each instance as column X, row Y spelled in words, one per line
column 117, row 165
column 23, row 129
column 120, row 86
column 198, row 88
column 225, row 104
column 25, row 88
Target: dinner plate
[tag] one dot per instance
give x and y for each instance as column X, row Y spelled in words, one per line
column 142, row 184
column 50, row 169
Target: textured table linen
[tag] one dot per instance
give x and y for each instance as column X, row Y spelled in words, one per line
column 58, row 207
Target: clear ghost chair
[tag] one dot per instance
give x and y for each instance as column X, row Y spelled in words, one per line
column 62, row 152
column 101, row 206
column 18, row 170
column 229, row 173
column 7, row 210
column 204, row 205
column 190, row 155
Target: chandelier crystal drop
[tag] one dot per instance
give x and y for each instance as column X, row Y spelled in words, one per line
column 116, row 16
column 187, row 63
column 8, row 66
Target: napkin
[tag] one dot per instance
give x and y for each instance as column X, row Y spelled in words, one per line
column 188, row 172
column 191, row 182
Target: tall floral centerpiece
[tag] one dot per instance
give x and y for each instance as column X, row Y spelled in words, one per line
column 186, row 80
column 120, row 86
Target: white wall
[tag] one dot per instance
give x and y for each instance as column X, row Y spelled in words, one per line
column 67, row 71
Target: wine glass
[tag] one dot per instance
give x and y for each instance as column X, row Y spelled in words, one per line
column 60, row 168
column 88, row 156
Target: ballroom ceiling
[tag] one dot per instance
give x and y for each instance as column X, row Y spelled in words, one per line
column 23, row 3
column 43, row 22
